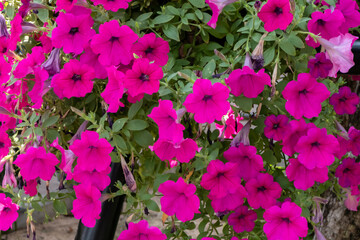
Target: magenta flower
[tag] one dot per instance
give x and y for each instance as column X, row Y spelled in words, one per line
column 93, row 153
column 114, row 90
column 98, row 179
column 208, row 102
column 352, row 199
column 5, row 143
column 180, row 199
column 320, row 66
column 87, row 205
column 348, row 173
column 303, row 177
column 327, row 24
column 317, row 148
column 144, row 77
column 36, row 163
column 343, row 147
column 153, row 48
column 276, row 127
column 232, row 126
column 354, row 141
column 229, row 202
column 141, row 230
column 67, row 5
column 246, row 81
column 183, row 150
column 285, row 222
column 304, row 96
column 249, row 164
column 113, row 5
column 216, row 7
column 27, row 65
column 350, row 11
column 113, row 43
column 242, row 219
column 67, row 159
column 5, row 69
column 92, row 59
column 37, row 92
column 263, row 191
column 30, row 187
column 74, row 80
column 345, row 101
column 276, row 15
column 8, row 212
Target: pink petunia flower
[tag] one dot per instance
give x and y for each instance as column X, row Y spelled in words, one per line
column 276, row 15
column 232, row 126
column 36, row 163
column 30, row 187
column 304, row 96
column 208, row 102
column 320, row 66
column 285, row 222
column 348, row 173
column 276, row 127
column 141, row 230
column 183, row 150
column 113, row 5
column 352, row 199
column 32, row 61
column 263, row 191
column 153, row 48
column 92, row 59
column 5, row 143
column 317, row 148
column 87, row 205
column 249, row 164
column 354, row 141
column 345, row 101
column 303, row 177
column 113, row 43
column 74, row 80
column 93, row 153
column 216, row 7
column 350, row 11
column 242, row 219
column 5, row 69
column 180, row 199
column 67, row 5
column 37, row 92
column 114, row 90
column 99, row 179
column 144, row 77
column 343, row 146
column 67, row 159
column 246, row 81
column 230, row 201
column 8, row 212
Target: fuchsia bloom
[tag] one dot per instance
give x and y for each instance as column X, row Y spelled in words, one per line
column 113, row 5
column 27, row 65
column 67, row 5
column 263, row 191
column 348, row 173
column 246, row 81
column 229, row 202
column 153, row 48
column 249, row 164
column 220, row 179
column 41, row 75
column 276, row 127
column 141, row 230
column 30, row 187
column 5, row 69
column 208, row 102
column 285, row 222
column 231, row 126
column 242, row 219
column 114, row 90
column 343, row 147
column 345, row 101
column 5, row 143
column 144, row 77
column 93, row 153
column 276, row 15
column 67, row 159
column 92, row 59
column 72, row 33
column 354, row 141
column 87, row 205
column 113, row 43
column 320, row 66
column 216, row 7
column 183, row 150
column 74, row 80
column 304, row 96
column 350, row 11
column 180, row 199
column 36, row 163
column 303, row 177
column 8, row 212
column 98, row 179
column 327, row 23
column 317, row 148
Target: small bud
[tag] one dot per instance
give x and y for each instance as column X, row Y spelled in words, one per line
column 257, row 5
column 257, row 55
column 242, row 136
column 3, row 29
column 318, row 234
column 28, row 27
column 248, row 61
column 146, row 211
column 220, row 55
column 52, row 64
column 81, row 129
column 129, row 177
column 9, row 177
column 273, row 80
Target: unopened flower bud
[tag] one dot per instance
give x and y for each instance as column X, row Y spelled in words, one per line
column 242, row 136
column 257, row 55
column 3, row 29
column 257, row 5
column 52, row 64
column 248, row 61
column 129, row 177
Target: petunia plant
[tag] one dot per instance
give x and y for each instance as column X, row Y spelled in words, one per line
column 231, row 118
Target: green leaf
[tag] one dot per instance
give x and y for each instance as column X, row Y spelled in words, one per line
column 38, row 131
column 171, row 32
column 269, row 157
column 119, row 124
column 239, row 43
column 160, row 179
column 136, row 125
column 199, row 14
column 269, row 55
column 10, row 11
column 119, row 141
column 52, row 134
column 244, row 103
column 173, row 10
column 60, row 207
column 152, row 205
column 163, row 19
column 43, row 15
column 197, row 3
column 50, row 121
column 144, row 138
column 296, row 41
column 114, row 157
column 37, row 206
column 144, row 17
column 230, row 38
column 287, row 47
column 209, row 69
column 134, row 108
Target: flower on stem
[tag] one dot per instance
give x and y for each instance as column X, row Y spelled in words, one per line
column 141, row 230
column 8, row 212
column 276, row 15
column 320, row 66
column 345, row 101
column 216, row 7
column 242, row 219
column 276, row 127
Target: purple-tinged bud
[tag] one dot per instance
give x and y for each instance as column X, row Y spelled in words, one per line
column 248, row 61
column 52, row 64
column 9, row 177
column 81, row 129
column 257, row 56
column 318, row 234
column 129, row 177
column 257, row 5
column 28, row 27
column 242, row 136
column 3, row 29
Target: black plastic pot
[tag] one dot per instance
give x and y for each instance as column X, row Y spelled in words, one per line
column 355, row 70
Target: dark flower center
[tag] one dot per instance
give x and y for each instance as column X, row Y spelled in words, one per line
column 240, row 217
column 315, row 144
column 276, row 126
column 113, row 39
column 303, row 91
column 2, row 145
column 144, row 77
column 343, row 99
column 346, row 170
column 76, row 77
column 278, row 11
column 207, row 98
column 91, row 147
column 4, row 50
column 287, row 220
column 6, row 209
column 74, row 30
column 149, row 50
column 320, row 22
column 220, row 174
column 261, row 189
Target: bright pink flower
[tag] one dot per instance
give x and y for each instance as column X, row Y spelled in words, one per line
column 32, row 61
column 305, row 178
column 87, row 205
column 113, row 5
column 6, row 45
column 263, row 191
column 352, row 199
column 183, row 150
column 230, row 201
column 5, row 143
column 30, row 187
column 141, row 230
column 67, row 159
column 36, row 163
column 113, row 43
column 93, row 153
column 216, row 7
column 5, row 69
column 276, row 127
column 246, row 81
column 348, row 173
column 114, row 89
column 144, row 77
column 67, row 5
column 74, row 80
column 326, row 24
column 304, row 96
column 98, row 179
column 8, row 212
column 344, row 102
column 354, row 141
column 350, row 11
column 46, row 42
column 72, row 33
column 276, row 15
column 344, row 147
column 249, row 164
column 16, row 31
column 92, row 59
column 153, row 48
column 231, row 127
column 285, row 222
column 37, row 92
column 320, row 66
column 242, row 219
column 208, row 102
column 180, row 199
column 317, row 148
